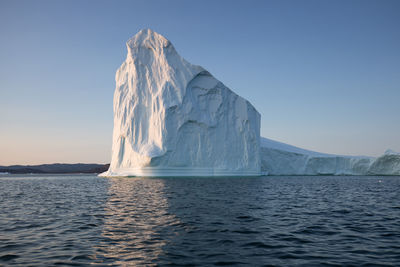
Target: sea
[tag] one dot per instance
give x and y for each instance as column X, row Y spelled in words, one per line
column 81, row 220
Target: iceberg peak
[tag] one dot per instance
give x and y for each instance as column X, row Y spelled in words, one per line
column 149, row 39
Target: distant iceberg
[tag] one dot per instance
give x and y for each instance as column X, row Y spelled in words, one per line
column 172, row 118
column 282, row 159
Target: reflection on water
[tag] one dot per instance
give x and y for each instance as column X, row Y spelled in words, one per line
column 137, row 223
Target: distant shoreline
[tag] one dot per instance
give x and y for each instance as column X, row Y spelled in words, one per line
column 56, row 168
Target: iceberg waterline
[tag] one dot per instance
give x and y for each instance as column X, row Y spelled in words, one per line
column 172, row 118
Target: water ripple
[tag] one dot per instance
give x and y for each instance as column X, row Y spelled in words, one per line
column 270, row 221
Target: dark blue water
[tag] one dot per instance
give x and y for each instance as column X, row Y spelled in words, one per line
column 81, row 220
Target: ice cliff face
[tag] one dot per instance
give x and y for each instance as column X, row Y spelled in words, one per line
column 282, row 159
column 387, row 164
column 172, row 118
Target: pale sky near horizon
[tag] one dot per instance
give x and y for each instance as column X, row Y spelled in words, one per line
column 325, row 75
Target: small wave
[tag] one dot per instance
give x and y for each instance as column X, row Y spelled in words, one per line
column 81, row 257
column 261, row 245
column 8, row 257
column 246, row 232
column 227, row 263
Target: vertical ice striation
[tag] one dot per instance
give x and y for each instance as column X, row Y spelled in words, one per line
column 172, row 118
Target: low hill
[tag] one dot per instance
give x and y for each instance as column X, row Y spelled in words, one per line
column 55, row 168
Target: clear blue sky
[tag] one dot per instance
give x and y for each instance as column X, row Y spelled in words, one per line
column 325, row 75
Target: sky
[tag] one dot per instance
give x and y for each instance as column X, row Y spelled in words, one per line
column 324, row 75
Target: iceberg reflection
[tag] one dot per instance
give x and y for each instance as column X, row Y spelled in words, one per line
column 136, row 222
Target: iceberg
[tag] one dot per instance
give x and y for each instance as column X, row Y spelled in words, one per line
column 172, row 118
column 282, row 159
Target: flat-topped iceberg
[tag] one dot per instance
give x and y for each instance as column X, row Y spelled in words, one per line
column 282, row 159
column 172, row 118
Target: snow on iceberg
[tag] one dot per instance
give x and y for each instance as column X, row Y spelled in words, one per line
column 172, row 118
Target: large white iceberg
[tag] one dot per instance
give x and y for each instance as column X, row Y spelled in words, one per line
column 172, row 118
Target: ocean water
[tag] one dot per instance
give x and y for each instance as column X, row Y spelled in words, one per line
column 283, row 221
